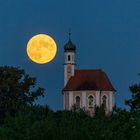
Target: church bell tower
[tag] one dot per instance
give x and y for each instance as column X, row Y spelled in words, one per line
column 69, row 62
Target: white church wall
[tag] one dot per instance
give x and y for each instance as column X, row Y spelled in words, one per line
column 83, row 99
column 98, row 98
column 66, row 100
column 113, row 99
column 70, row 96
column 65, row 75
column 70, row 99
column 110, row 100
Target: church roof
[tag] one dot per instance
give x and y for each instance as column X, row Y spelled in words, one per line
column 89, row 80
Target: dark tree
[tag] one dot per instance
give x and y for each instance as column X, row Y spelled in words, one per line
column 17, row 89
column 134, row 102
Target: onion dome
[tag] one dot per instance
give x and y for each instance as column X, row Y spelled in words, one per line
column 69, row 46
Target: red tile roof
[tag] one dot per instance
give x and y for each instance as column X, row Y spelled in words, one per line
column 89, row 80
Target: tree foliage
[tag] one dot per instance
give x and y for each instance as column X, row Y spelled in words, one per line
column 134, row 102
column 41, row 123
column 17, row 89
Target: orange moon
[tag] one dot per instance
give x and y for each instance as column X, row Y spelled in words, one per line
column 41, row 48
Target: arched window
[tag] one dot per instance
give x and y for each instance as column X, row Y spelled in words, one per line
column 90, row 101
column 104, row 101
column 77, row 101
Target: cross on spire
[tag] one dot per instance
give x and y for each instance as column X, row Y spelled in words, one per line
column 69, row 34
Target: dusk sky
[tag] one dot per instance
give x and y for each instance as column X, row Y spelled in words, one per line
column 105, row 32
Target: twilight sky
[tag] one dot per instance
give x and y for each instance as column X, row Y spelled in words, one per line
column 106, row 33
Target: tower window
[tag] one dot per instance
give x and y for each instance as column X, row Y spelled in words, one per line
column 77, row 102
column 68, row 57
column 90, row 102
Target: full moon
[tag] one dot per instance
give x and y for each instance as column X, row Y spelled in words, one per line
column 41, row 49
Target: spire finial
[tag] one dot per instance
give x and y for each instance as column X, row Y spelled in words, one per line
column 69, row 34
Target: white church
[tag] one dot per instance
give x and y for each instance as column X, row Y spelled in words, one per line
column 85, row 89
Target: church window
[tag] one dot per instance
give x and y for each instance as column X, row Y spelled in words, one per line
column 90, row 101
column 68, row 57
column 77, row 101
column 104, row 101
